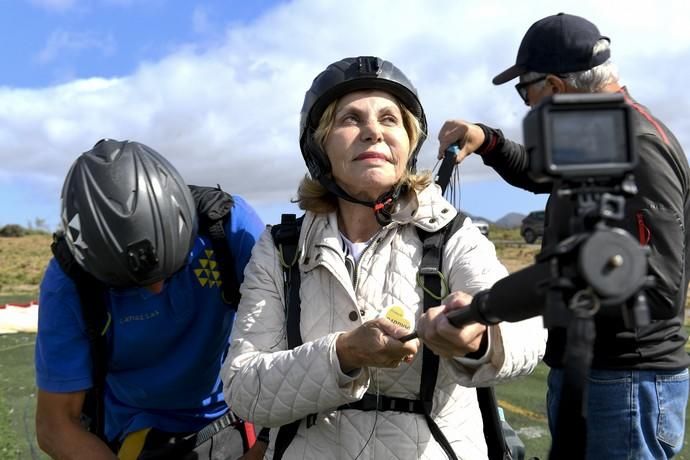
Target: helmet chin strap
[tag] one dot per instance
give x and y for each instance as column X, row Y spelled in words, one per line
column 382, row 206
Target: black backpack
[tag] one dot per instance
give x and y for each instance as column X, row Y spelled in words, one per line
column 213, row 210
column 285, row 238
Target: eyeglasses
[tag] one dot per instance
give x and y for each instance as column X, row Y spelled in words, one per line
column 523, row 87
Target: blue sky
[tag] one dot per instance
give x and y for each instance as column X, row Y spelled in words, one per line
column 216, row 86
column 49, row 42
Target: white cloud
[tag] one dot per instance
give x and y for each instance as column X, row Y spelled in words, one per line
column 63, row 41
column 229, row 114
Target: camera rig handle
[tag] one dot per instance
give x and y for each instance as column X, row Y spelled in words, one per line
column 445, row 171
column 608, row 264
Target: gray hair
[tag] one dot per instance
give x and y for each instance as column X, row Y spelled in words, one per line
column 588, row 81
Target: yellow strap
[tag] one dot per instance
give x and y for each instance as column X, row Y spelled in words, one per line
column 133, row 445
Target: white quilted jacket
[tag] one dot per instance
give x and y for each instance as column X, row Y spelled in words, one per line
column 271, row 386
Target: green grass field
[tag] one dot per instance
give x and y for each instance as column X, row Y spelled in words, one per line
column 17, row 398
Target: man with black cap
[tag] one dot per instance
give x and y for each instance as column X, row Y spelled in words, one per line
column 638, row 384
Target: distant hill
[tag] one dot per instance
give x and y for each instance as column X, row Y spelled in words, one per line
column 473, row 217
column 510, row 220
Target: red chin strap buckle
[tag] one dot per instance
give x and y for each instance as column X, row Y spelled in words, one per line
column 379, row 206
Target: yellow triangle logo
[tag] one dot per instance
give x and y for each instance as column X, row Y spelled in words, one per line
column 203, row 281
column 212, row 264
column 209, row 253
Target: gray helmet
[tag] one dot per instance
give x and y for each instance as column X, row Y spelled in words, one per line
column 129, row 218
column 343, row 77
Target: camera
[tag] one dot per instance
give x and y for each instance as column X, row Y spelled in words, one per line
column 576, row 137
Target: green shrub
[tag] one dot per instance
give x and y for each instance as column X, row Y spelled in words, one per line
column 12, row 230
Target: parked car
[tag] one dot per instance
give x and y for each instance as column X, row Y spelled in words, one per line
column 532, row 226
column 483, row 226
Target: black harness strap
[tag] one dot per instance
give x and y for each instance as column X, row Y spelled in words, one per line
column 435, row 290
column 285, row 237
column 497, row 446
column 92, row 298
column 214, row 210
column 220, row 424
column 496, row 442
column 383, row 403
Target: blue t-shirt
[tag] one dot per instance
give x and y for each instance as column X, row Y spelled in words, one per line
column 165, row 349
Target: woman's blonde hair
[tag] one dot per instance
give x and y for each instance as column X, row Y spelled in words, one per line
column 312, row 196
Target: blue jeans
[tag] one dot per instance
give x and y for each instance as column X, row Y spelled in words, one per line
column 630, row 414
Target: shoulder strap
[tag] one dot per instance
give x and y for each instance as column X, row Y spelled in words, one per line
column 285, row 237
column 92, row 298
column 435, row 289
column 214, row 209
column 496, row 442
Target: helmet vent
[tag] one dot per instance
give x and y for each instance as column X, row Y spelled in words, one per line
column 180, row 224
column 163, row 177
column 108, row 150
column 180, row 217
column 130, row 202
column 74, row 227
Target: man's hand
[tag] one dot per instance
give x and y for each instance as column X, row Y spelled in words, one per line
column 469, row 138
column 374, row 344
column 444, row 339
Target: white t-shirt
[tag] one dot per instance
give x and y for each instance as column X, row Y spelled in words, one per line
column 354, row 250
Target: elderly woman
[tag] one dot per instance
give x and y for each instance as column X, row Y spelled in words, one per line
column 354, row 385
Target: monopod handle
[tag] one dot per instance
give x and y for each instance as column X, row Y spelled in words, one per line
column 447, row 165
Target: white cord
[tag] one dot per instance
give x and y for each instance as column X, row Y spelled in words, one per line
column 376, row 416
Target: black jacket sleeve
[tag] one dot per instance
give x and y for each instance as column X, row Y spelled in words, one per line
column 510, row 160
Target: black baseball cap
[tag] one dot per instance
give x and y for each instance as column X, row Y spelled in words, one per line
column 557, row 44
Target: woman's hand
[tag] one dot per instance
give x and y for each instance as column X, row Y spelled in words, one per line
column 374, row 344
column 444, row 339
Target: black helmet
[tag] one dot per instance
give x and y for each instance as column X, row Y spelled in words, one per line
column 129, row 218
column 343, row 77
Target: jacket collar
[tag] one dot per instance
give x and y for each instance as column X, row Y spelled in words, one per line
column 426, row 209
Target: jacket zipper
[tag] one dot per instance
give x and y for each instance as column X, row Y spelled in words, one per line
column 355, row 277
column 643, row 232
